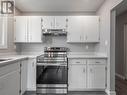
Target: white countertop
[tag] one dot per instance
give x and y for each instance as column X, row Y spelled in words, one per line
column 86, row 55
column 15, row 58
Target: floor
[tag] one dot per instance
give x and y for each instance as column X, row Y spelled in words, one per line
column 121, row 86
column 70, row 93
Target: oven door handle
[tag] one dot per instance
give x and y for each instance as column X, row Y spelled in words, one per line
column 44, row 64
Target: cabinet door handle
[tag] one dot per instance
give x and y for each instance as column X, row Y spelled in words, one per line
column 86, row 37
column 80, row 38
column 51, row 24
column 33, row 64
column 84, row 70
column 91, row 70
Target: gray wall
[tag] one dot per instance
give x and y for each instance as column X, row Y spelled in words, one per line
column 121, row 20
column 106, row 29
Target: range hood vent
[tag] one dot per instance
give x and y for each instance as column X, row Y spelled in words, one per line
column 54, row 32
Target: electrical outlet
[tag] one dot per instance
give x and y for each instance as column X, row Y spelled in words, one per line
column 87, row 47
column 106, row 42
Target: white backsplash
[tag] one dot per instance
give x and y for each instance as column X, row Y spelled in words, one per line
column 38, row 48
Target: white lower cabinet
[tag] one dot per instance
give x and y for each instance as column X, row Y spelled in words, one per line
column 10, row 79
column 23, row 76
column 96, row 75
column 31, row 76
column 9, row 84
column 87, row 74
column 28, row 75
column 77, row 76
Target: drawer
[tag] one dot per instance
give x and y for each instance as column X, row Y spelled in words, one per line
column 77, row 61
column 96, row 61
column 9, row 68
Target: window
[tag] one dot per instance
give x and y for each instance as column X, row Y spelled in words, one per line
column 3, row 32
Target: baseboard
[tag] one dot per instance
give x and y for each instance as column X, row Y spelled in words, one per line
column 120, row 76
column 110, row 92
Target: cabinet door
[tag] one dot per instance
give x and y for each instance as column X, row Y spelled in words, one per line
column 60, row 22
column 23, row 76
column 77, row 77
column 10, row 83
column 96, row 76
column 75, row 29
column 21, row 29
column 48, row 22
column 31, row 76
column 34, row 29
column 91, row 28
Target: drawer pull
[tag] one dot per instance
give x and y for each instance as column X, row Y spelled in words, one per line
column 77, row 62
column 97, row 62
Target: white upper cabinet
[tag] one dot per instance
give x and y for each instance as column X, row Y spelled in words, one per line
column 35, row 29
column 83, row 29
column 54, row 22
column 21, row 29
column 61, row 22
column 75, row 29
column 28, row 29
column 48, row 22
column 91, row 28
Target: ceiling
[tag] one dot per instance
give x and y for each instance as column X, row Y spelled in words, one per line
column 58, row 5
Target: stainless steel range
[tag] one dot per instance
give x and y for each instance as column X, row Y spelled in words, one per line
column 52, row 70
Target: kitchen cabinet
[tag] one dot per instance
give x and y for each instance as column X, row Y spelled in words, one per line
column 96, row 74
column 31, row 76
column 75, row 29
column 21, row 34
column 54, row 22
column 23, row 68
column 35, row 29
column 83, row 29
column 87, row 74
column 28, row 29
column 91, row 29
column 48, row 22
column 77, row 75
column 61, row 22
column 10, row 79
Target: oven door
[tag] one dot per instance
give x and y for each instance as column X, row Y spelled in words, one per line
column 51, row 78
